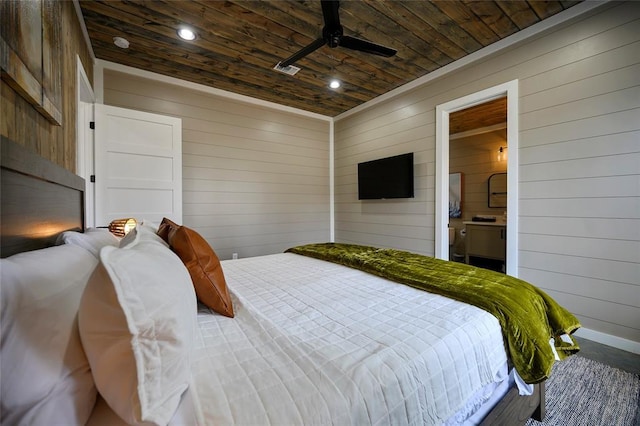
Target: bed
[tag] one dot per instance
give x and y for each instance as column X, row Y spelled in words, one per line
column 307, row 341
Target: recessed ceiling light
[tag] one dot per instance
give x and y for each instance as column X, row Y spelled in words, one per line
column 121, row 42
column 186, row 33
column 334, row 84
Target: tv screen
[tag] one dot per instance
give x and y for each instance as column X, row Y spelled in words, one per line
column 390, row 177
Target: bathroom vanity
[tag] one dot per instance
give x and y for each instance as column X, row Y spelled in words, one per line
column 486, row 244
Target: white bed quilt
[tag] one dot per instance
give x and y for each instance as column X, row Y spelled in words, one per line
column 318, row 343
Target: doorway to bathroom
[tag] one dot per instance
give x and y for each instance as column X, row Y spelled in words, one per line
column 470, row 157
column 478, row 185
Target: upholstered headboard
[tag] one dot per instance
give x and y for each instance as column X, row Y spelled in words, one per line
column 39, row 200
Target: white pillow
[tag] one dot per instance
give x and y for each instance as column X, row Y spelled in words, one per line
column 137, row 322
column 93, row 239
column 146, row 231
column 46, row 377
column 149, row 224
column 129, row 238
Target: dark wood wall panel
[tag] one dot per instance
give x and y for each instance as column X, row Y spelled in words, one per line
column 20, row 121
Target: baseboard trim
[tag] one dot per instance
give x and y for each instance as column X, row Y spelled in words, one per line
column 609, row 340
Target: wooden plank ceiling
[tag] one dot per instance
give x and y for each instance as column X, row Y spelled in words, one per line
column 239, row 42
column 485, row 115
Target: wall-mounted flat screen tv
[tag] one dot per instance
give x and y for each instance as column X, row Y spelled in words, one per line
column 390, row 177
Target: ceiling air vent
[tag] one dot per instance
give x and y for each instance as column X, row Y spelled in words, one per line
column 289, row 69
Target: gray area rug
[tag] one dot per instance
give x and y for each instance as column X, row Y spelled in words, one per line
column 583, row 392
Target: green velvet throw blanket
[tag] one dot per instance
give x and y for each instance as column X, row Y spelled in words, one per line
column 528, row 316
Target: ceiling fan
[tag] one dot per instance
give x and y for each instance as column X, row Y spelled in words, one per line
column 332, row 35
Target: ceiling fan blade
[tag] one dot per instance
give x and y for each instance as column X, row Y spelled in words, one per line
column 332, row 35
column 366, row 46
column 330, row 14
column 318, row 43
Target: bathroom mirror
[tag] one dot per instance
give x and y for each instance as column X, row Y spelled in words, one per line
column 497, row 190
column 455, row 195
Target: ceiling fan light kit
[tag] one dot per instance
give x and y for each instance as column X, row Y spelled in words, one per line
column 333, row 36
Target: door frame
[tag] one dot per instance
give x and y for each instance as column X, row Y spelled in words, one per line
column 85, row 99
column 510, row 90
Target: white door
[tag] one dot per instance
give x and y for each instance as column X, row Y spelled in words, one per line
column 138, row 165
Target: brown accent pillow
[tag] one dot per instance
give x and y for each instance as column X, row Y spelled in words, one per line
column 165, row 226
column 203, row 266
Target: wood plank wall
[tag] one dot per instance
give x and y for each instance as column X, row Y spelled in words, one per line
column 406, row 224
column 255, row 180
column 579, row 236
column 21, row 122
